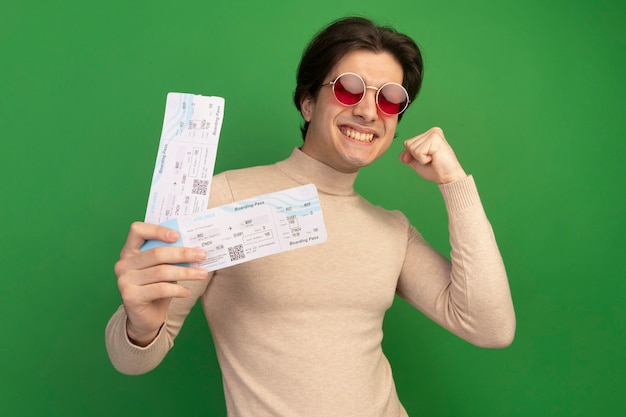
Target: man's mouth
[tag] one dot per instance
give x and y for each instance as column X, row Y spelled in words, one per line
column 356, row 135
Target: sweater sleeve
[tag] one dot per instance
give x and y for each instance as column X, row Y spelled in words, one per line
column 131, row 359
column 468, row 294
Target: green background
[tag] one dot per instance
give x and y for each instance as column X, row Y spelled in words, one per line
column 530, row 94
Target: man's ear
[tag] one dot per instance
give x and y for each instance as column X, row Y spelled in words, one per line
column 306, row 107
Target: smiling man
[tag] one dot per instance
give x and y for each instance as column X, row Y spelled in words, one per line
column 299, row 333
column 347, row 138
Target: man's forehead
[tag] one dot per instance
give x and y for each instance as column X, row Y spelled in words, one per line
column 371, row 66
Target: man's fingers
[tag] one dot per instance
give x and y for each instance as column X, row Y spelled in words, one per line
column 405, row 157
column 140, row 232
column 166, row 255
column 432, row 157
column 158, row 256
column 425, row 141
column 157, row 291
column 420, row 150
column 168, row 274
column 163, row 272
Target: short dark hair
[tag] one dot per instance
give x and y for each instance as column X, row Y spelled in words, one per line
column 351, row 34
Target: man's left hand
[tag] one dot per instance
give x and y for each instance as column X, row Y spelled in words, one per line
column 430, row 155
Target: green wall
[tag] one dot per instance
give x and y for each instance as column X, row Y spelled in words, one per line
column 530, row 94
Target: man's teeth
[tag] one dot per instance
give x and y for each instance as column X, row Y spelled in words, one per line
column 361, row 137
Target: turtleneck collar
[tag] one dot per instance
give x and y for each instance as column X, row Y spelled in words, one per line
column 304, row 169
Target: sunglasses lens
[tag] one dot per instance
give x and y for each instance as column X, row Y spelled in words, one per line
column 392, row 98
column 349, row 89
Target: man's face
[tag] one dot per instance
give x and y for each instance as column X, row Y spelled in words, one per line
column 349, row 137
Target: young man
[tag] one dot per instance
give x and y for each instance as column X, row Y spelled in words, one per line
column 299, row 333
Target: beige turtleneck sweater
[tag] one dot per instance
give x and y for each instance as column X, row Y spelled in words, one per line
column 299, row 333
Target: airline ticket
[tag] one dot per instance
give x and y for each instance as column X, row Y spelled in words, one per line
column 252, row 228
column 186, row 157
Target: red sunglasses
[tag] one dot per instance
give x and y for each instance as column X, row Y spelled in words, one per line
column 349, row 89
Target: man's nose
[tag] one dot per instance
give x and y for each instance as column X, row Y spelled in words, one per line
column 367, row 108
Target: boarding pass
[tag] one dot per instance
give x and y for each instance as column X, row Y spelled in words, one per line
column 252, row 228
column 186, row 157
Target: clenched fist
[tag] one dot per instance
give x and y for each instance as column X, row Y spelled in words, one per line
column 430, row 155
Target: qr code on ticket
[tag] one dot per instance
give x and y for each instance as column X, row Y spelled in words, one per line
column 200, row 187
column 236, row 252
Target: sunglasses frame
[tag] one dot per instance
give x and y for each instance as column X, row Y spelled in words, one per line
column 365, row 87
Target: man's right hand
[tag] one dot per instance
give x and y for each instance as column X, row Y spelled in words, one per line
column 147, row 280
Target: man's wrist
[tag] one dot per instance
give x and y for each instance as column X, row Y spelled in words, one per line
column 140, row 339
column 459, row 175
